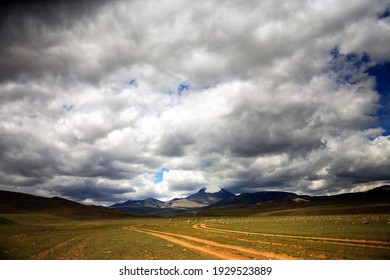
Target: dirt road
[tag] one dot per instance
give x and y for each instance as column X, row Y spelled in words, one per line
column 67, row 250
column 216, row 249
column 349, row 242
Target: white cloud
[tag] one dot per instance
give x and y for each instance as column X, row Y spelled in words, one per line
column 264, row 110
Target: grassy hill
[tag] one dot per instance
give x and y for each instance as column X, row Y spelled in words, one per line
column 20, row 203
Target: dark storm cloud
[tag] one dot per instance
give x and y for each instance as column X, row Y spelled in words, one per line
column 370, row 163
column 174, row 145
column 91, row 188
column 24, row 155
column 270, row 132
column 42, row 39
column 29, row 28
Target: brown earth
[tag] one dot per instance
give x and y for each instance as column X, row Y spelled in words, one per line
column 349, row 242
column 216, row 249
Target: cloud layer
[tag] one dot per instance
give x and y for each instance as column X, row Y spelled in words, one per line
column 96, row 98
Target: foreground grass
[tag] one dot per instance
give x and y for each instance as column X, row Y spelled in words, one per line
column 49, row 237
column 24, row 236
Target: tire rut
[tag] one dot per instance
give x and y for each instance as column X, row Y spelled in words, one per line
column 340, row 241
column 76, row 252
column 178, row 239
column 45, row 254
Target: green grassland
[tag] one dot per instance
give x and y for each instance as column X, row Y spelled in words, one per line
column 40, row 236
column 24, row 236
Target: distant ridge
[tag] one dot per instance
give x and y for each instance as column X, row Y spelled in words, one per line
column 376, row 200
column 262, row 197
column 202, row 203
column 21, row 203
column 210, row 198
column 148, row 202
column 196, row 200
column 227, row 203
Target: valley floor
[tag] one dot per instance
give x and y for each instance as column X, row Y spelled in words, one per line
column 33, row 236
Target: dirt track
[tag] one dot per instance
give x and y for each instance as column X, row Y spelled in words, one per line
column 216, row 249
column 348, row 242
column 60, row 246
column 75, row 247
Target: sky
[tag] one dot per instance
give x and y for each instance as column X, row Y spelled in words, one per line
column 105, row 101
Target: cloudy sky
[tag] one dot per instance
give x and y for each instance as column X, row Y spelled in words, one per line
column 104, row 101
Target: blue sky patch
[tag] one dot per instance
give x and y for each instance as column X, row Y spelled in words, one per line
column 133, row 83
column 68, row 107
column 183, row 87
column 159, row 176
column 348, row 68
column 381, row 72
column 384, row 14
column 352, row 67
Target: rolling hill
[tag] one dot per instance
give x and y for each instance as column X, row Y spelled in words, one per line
column 21, row 203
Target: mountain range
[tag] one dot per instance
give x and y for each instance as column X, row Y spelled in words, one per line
column 202, row 203
column 196, row 200
column 225, row 202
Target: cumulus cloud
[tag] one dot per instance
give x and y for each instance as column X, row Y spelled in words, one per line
column 97, row 97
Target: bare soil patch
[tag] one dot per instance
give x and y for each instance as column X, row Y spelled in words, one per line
column 351, row 242
column 213, row 248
